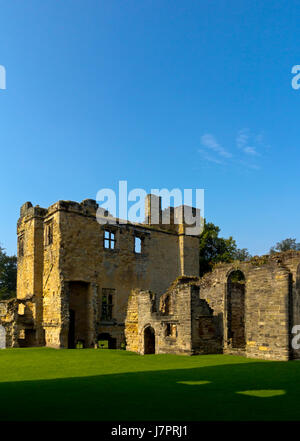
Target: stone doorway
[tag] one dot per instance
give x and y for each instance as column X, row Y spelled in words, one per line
column 149, row 340
column 78, row 314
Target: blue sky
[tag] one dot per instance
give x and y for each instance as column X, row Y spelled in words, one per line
column 193, row 94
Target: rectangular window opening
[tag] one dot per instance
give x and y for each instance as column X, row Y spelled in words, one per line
column 107, row 303
column 171, row 330
column 109, row 240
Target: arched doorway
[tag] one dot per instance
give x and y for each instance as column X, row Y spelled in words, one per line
column 149, row 340
column 236, row 310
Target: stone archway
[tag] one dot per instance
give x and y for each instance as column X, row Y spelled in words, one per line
column 149, row 340
column 2, row 337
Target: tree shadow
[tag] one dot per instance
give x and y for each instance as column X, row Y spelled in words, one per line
column 206, row 393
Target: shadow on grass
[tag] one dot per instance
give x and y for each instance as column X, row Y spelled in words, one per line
column 207, row 393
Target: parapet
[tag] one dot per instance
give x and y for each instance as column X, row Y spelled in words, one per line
column 28, row 209
column 86, row 207
column 171, row 219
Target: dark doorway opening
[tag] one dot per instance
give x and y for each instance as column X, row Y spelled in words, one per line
column 29, row 340
column 106, row 341
column 149, row 340
column 78, row 315
column 236, row 287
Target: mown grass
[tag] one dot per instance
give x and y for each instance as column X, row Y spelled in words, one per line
column 48, row 384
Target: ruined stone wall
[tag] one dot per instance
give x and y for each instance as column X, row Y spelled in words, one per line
column 76, row 253
column 54, row 322
column 84, row 258
column 268, row 302
column 47, row 268
column 291, row 261
column 252, row 317
column 30, row 265
column 213, row 287
column 131, row 324
column 262, row 314
column 18, row 316
column 8, row 316
column 142, row 315
column 182, row 323
column 188, row 253
column 295, row 313
column 236, row 314
column 206, row 338
column 266, row 317
column 179, row 340
column 39, row 276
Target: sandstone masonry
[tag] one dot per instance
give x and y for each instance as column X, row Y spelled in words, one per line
column 75, row 275
column 137, row 286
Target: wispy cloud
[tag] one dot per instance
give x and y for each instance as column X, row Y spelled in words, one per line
column 249, row 147
column 248, row 164
column 250, row 151
column 246, row 142
column 208, row 157
column 210, row 142
column 242, row 138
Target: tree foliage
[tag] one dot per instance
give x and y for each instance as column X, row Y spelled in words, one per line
column 285, row 245
column 214, row 249
column 8, row 275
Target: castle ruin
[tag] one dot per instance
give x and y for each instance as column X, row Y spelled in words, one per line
column 137, row 286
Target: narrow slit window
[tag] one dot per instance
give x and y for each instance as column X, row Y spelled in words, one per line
column 137, row 245
column 168, row 330
column 21, row 246
column 49, row 234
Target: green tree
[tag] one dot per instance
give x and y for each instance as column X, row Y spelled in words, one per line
column 8, row 275
column 214, row 249
column 285, row 245
column 242, row 254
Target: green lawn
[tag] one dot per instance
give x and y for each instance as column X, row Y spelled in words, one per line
column 89, row 384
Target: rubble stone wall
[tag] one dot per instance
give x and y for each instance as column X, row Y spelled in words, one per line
column 185, row 327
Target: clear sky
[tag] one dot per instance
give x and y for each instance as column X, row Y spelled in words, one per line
column 187, row 94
